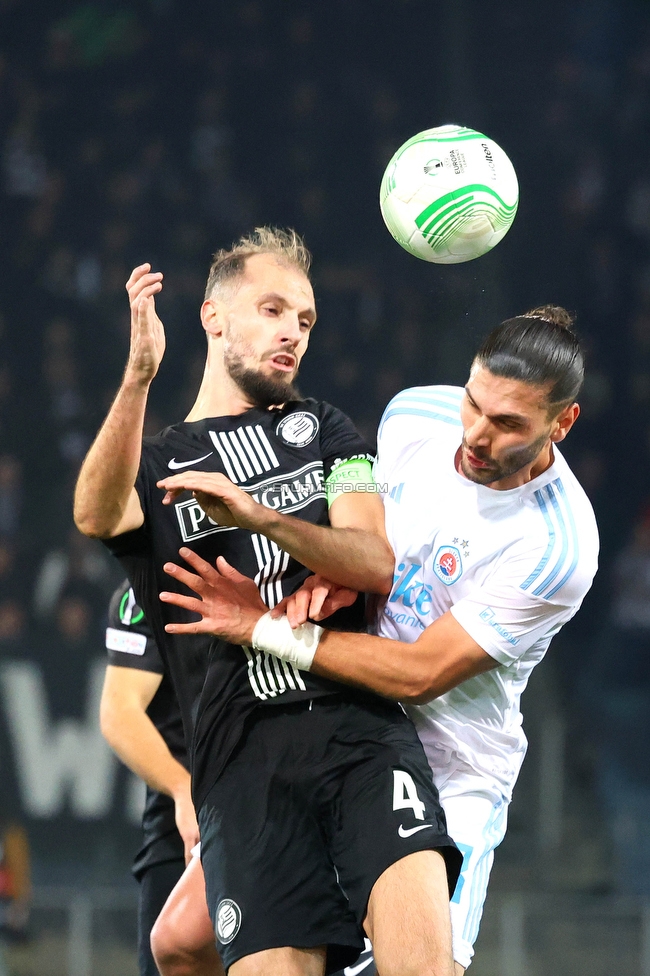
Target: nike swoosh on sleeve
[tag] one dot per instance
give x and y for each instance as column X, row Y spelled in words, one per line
column 174, row 464
column 403, row 832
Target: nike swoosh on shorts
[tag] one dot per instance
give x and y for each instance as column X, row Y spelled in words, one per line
column 353, row 970
column 174, row 464
column 403, row 832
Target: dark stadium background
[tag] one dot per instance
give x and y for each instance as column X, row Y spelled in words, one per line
column 155, row 130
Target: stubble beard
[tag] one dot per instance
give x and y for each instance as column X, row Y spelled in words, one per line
column 511, row 464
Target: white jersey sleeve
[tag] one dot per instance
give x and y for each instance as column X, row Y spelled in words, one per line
column 526, row 599
column 406, row 425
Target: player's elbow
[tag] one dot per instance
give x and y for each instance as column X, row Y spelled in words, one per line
column 420, row 697
column 421, row 688
column 89, row 523
column 109, row 723
column 384, row 572
column 106, row 726
column 384, row 583
column 91, row 529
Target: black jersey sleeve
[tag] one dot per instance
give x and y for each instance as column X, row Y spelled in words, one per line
column 129, row 641
column 340, row 440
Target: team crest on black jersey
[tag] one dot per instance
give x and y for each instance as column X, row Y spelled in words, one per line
column 298, row 429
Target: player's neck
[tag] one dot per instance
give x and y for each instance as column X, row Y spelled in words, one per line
column 219, row 395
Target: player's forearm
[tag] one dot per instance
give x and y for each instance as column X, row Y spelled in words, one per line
column 440, row 659
column 388, row 667
column 350, row 557
column 138, row 743
column 110, row 469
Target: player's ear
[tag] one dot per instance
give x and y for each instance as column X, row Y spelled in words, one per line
column 564, row 422
column 212, row 316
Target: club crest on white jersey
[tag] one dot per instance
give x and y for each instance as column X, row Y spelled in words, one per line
column 448, row 565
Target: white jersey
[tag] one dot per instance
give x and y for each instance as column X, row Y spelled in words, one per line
column 512, row 566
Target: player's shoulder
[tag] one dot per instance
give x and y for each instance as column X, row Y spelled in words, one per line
column 421, row 409
column 172, row 441
column 561, row 539
column 174, row 434
column 326, row 412
column 337, row 433
column 564, row 490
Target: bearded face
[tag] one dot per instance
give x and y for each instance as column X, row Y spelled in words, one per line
column 261, row 382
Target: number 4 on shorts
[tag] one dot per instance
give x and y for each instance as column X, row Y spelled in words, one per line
column 405, row 794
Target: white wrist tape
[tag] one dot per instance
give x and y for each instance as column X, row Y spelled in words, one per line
column 296, row 646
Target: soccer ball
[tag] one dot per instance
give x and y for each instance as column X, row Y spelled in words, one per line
column 449, row 194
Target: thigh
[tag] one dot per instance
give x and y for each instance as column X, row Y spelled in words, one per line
column 270, row 881
column 388, row 809
column 477, row 823
column 408, row 917
column 184, row 925
column 156, row 885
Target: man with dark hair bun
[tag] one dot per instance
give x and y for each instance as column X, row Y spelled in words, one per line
column 495, row 547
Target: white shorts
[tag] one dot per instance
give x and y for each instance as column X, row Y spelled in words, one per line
column 196, row 850
column 476, row 819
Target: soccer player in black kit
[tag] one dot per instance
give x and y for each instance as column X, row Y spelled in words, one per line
column 141, row 720
column 294, row 777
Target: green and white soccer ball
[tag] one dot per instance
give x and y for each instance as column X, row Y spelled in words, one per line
column 449, row 194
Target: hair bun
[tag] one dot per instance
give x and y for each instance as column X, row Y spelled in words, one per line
column 553, row 314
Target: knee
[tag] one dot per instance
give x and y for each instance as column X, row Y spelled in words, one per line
column 167, row 946
column 184, row 946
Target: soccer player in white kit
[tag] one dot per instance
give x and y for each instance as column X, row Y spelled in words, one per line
column 496, row 546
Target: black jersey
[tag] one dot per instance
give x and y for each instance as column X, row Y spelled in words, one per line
column 282, row 457
column 130, row 644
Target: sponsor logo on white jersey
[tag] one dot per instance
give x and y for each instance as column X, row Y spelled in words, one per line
column 488, row 616
column 409, row 593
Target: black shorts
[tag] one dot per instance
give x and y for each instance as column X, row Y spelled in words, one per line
column 318, row 799
column 156, row 884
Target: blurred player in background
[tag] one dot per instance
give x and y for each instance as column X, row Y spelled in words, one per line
column 496, row 546
column 15, row 879
column 141, row 720
column 288, row 770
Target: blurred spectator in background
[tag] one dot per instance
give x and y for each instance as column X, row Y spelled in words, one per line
column 13, row 626
column 78, row 562
column 11, row 495
column 616, row 690
column 15, row 883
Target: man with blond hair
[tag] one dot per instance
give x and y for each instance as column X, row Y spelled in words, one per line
column 318, row 816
